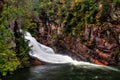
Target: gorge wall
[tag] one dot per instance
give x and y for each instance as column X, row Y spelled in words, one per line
column 85, row 30
column 97, row 42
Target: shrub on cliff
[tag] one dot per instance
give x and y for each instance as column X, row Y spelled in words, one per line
column 13, row 50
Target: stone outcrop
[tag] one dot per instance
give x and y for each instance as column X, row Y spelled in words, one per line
column 99, row 44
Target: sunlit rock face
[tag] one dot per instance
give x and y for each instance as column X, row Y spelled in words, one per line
column 99, row 43
column 104, row 42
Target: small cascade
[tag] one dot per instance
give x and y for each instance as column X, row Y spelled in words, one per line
column 46, row 54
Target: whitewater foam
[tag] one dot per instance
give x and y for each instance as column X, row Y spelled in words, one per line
column 46, row 54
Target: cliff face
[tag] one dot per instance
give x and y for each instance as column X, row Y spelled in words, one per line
column 88, row 30
column 97, row 45
column 98, row 42
column 104, row 43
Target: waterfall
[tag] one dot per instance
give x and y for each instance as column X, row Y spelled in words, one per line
column 46, row 54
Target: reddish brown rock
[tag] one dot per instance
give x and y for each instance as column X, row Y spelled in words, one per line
column 97, row 61
column 97, row 44
column 35, row 61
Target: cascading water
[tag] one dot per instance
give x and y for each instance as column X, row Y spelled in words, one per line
column 46, row 54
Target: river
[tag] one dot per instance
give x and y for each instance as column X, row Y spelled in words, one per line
column 66, row 72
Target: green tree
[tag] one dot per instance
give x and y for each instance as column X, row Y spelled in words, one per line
column 10, row 59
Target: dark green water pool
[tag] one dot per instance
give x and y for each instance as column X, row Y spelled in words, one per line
column 66, row 72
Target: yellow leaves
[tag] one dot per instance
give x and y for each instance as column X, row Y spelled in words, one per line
column 49, row 3
column 78, row 0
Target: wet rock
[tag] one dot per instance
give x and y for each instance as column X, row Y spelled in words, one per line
column 81, row 48
column 98, row 46
column 103, row 55
column 96, row 61
column 34, row 61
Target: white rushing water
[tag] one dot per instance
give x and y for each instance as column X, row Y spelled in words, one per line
column 46, row 54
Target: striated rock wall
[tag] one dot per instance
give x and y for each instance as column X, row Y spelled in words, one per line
column 99, row 44
column 104, row 43
column 89, row 33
